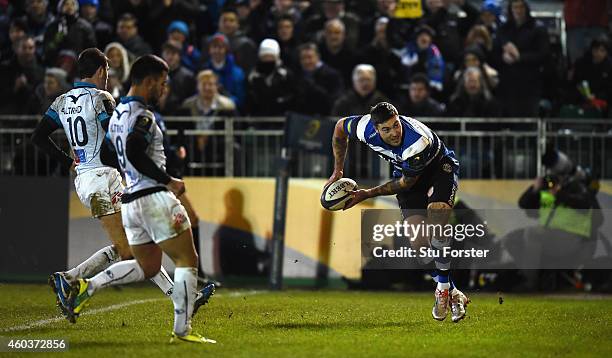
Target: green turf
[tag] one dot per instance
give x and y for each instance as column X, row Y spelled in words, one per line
column 319, row 324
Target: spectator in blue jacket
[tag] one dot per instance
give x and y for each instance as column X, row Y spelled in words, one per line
column 221, row 62
column 421, row 55
column 190, row 57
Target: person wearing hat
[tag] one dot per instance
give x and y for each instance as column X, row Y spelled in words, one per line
column 67, row 32
column 270, row 84
column 102, row 29
column 490, row 15
column 422, row 55
column 190, row 55
column 181, row 81
column 221, row 62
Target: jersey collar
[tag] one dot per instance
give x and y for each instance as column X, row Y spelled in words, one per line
column 84, row 84
column 127, row 99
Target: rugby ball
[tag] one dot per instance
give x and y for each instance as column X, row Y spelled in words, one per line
column 336, row 194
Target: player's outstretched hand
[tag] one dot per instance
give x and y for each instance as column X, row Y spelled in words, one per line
column 358, row 196
column 337, row 174
column 73, row 167
column 176, row 186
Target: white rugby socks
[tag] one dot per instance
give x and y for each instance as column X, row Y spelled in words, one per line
column 97, row 262
column 185, row 286
column 163, row 281
column 121, row 273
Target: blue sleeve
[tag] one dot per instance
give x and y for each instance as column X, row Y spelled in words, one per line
column 350, row 126
column 51, row 113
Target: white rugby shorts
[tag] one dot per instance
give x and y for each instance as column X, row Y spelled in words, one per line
column 154, row 218
column 100, row 190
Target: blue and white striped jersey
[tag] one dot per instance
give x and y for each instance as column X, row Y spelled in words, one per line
column 80, row 112
column 419, row 146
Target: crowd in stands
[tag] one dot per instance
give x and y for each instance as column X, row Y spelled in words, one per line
column 459, row 58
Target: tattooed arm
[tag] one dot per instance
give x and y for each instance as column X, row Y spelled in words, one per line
column 394, row 186
column 339, row 145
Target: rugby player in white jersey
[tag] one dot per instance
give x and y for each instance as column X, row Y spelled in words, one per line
column 154, row 219
column 84, row 113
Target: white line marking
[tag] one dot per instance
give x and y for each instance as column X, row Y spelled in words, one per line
column 44, row 322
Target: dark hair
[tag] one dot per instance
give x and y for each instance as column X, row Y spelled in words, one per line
column 147, row 66
column 420, row 78
column 128, row 17
column 228, row 8
column 601, row 41
column 308, row 46
column 285, row 17
column 381, row 112
column 89, row 61
column 20, row 23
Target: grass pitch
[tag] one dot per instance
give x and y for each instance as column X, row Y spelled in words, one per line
column 136, row 322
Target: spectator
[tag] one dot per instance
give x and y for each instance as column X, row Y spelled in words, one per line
column 181, row 82
column 190, row 57
column 318, row 85
column 208, row 102
column 118, row 60
column 102, row 29
column 243, row 48
column 585, row 21
column 204, row 105
column 285, row 35
column 270, row 84
column 67, row 32
column 38, row 18
column 282, row 8
column 387, row 64
column 250, row 13
column 450, row 30
column 221, row 62
column 421, row 55
column 17, row 30
column 163, row 13
column 20, row 76
column 114, row 85
column 474, row 57
column 472, row 98
column 419, row 102
column 54, row 84
column 592, row 75
column 480, row 36
column 335, row 51
column 334, row 10
column 490, row 16
column 139, row 9
column 520, row 51
column 127, row 33
column 363, row 96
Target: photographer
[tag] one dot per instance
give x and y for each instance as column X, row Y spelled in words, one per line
column 568, row 215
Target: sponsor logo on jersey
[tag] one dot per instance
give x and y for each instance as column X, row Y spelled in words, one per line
column 74, row 99
column 80, row 156
column 72, row 110
column 447, row 167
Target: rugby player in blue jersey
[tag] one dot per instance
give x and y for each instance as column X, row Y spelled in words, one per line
column 425, row 178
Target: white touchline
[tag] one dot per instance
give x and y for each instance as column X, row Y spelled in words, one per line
column 44, row 322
